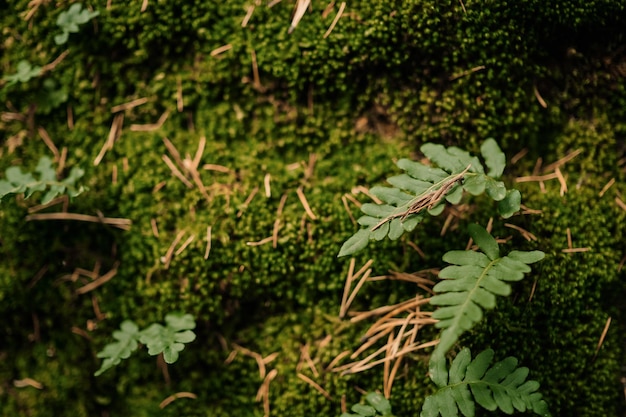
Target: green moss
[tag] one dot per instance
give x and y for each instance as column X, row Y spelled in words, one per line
column 390, row 76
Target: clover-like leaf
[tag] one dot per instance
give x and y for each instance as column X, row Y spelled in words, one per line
column 169, row 339
column 25, row 71
column 502, row 386
column 70, row 19
column 113, row 353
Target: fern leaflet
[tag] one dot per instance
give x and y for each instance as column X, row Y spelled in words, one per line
column 472, row 283
column 425, row 189
column 502, row 386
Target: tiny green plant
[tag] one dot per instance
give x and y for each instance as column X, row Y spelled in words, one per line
column 472, row 283
column 25, row 72
column 377, row 406
column 18, row 182
column 426, row 189
column 502, row 386
column 168, row 340
column 70, row 20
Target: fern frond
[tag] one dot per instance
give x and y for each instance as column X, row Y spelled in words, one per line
column 502, row 386
column 471, row 284
column 18, row 182
column 424, row 189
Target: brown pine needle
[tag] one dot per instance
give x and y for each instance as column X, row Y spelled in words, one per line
column 208, row 243
column 305, row 203
column 310, row 166
column 180, row 103
column 606, row 187
column 518, row 156
column 221, row 49
column 52, row 65
column 27, row 382
column 46, row 139
column 540, row 99
column 357, row 288
column 275, row 231
column 248, row 15
column 576, row 250
column 184, row 245
column 561, row 179
column 300, row 10
column 155, row 229
column 344, row 200
column 123, row 224
column 218, row 168
column 525, row 233
column 532, row 291
column 315, row 385
column 536, row 178
column 198, row 156
column 305, row 356
column 335, row 20
column 176, row 172
column 602, row 336
column 346, row 289
column 267, row 185
column 150, row 126
column 466, row 73
column 129, row 105
column 261, row 242
column 170, row 251
column 247, row 201
column 336, row 360
column 114, row 134
column 562, row 161
column 176, row 396
column 569, row 238
column 361, row 189
column 620, row 203
column 417, row 249
column 98, row 281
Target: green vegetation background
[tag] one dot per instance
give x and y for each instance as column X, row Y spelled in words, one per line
column 547, row 76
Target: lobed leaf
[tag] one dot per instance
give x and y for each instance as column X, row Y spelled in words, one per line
column 502, row 386
column 127, row 342
column 471, row 284
column 424, row 188
column 494, row 158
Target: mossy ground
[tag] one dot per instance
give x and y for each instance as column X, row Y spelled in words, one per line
column 317, row 116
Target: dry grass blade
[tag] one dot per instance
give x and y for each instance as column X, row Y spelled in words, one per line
column 620, row 203
column 208, row 243
column 525, row 233
column 170, row 251
column 562, row 161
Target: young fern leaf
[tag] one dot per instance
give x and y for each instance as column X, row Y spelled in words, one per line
column 127, row 342
column 425, row 189
column 471, row 284
column 502, row 386
column 18, row 182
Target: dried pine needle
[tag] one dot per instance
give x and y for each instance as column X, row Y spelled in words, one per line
column 335, row 20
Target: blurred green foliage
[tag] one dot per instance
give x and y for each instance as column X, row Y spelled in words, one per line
column 389, row 77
